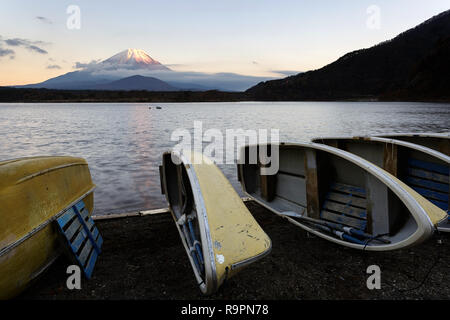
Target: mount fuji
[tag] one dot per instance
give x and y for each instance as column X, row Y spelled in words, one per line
column 133, row 59
column 137, row 70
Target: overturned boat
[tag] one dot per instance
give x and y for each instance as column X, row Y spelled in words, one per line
column 436, row 141
column 425, row 170
column 339, row 196
column 37, row 196
column 218, row 232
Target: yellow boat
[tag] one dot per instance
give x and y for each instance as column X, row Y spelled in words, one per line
column 218, row 232
column 33, row 193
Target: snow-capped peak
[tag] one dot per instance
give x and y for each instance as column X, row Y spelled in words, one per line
column 136, row 58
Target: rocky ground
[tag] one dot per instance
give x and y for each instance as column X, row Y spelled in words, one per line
column 143, row 258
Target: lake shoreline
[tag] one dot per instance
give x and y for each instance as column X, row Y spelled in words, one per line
column 28, row 95
column 143, row 258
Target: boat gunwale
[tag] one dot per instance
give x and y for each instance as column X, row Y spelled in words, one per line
column 250, row 260
column 36, row 174
column 205, row 284
column 442, row 135
column 411, row 145
column 13, row 160
column 5, row 250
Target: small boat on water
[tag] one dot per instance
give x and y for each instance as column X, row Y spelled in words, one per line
column 218, row 232
column 35, row 192
column 425, row 170
column 340, row 197
column 436, row 141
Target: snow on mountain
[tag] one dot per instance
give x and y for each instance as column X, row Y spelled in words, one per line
column 134, row 59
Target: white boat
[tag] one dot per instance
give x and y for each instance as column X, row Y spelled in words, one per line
column 423, row 169
column 340, row 197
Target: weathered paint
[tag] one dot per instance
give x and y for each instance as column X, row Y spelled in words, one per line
column 32, row 192
column 390, row 159
column 312, row 184
column 230, row 222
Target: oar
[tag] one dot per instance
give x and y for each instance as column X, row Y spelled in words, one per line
column 354, row 231
column 340, row 234
column 349, row 230
column 196, row 242
column 182, row 222
column 194, row 245
column 192, row 249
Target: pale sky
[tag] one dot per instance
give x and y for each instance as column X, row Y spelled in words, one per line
column 251, row 37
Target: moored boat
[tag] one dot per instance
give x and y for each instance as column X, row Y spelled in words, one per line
column 218, row 232
column 34, row 192
column 423, row 169
column 340, row 197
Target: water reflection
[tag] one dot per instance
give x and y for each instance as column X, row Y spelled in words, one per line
column 123, row 143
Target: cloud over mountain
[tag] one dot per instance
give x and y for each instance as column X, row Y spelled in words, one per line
column 131, row 62
column 136, row 62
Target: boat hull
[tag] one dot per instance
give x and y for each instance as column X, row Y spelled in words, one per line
column 300, row 186
column 33, row 193
column 424, row 169
column 230, row 237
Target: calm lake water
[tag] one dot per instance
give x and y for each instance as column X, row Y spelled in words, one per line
column 123, row 143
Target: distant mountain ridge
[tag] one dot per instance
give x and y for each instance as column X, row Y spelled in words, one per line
column 137, row 83
column 413, row 65
column 136, row 62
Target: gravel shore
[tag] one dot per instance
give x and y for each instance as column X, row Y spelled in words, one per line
column 143, row 258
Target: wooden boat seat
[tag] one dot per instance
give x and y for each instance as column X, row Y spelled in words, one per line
column 346, row 205
column 82, row 236
column 429, row 179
